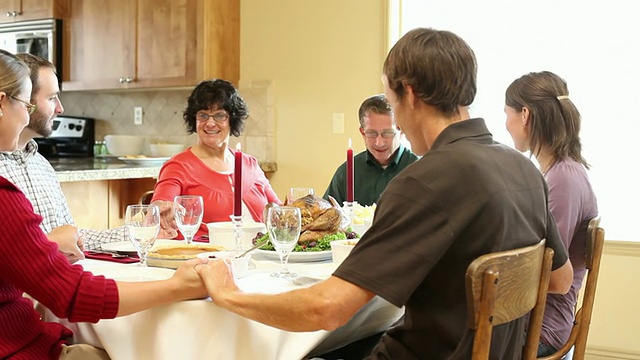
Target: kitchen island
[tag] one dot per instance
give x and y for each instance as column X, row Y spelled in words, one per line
column 94, row 169
column 90, row 169
column 98, row 191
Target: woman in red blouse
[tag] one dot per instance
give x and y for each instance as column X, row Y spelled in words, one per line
column 214, row 111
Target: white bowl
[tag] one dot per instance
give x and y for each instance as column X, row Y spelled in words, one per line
column 239, row 266
column 340, row 249
column 123, row 145
column 221, row 233
column 165, row 150
column 360, row 229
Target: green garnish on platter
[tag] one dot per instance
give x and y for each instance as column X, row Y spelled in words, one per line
column 320, row 245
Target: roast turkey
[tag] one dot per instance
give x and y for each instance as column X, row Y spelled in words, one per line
column 319, row 218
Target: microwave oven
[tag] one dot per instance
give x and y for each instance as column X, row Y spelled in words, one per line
column 42, row 38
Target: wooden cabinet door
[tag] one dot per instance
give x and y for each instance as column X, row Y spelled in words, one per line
column 167, row 53
column 151, row 43
column 101, row 36
column 88, row 203
column 21, row 10
column 10, row 10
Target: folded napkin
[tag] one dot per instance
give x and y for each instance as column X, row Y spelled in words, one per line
column 202, row 239
column 109, row 257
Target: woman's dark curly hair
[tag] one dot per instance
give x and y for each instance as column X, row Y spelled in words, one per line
column 220, row 93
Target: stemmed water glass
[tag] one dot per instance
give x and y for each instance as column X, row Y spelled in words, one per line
column 143, row 223
column 296, row 193
column 188, row 210
column 283, row 224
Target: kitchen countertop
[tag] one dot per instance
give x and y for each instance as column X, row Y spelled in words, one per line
column 90, row 169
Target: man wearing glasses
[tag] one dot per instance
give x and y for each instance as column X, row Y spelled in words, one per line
column 383, row 159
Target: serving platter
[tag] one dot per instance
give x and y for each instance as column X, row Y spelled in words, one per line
column 298, row 256
column 148, row 161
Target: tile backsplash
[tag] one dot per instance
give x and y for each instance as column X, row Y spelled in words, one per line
column 163, row 121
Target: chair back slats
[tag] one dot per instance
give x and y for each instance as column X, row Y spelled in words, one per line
column 504, row 286
column 580, row 331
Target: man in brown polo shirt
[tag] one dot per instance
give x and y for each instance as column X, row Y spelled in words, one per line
column 467, row 196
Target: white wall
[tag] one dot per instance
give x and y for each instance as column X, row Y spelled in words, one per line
column 593, row 44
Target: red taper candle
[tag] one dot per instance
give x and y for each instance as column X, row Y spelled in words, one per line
column 349, row 173
column 237, row 183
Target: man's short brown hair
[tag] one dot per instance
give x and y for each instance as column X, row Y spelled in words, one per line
column 377, row 104
column 438, row 65
column 35, row 63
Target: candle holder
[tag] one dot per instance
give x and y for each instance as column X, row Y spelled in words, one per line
column 348, row 208
column 237, row 232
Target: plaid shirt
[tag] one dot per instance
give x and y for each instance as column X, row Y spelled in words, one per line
column 37, row 179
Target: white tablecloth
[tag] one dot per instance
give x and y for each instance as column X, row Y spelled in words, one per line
column 200, row 329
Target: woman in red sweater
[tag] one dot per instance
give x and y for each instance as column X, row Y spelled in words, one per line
column 214, row 111
column 32, row 264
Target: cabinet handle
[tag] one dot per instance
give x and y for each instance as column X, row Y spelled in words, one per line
column 12, row 13
column 121, row 80
column 128, row 80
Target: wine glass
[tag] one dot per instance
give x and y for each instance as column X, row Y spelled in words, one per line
column 188, row 210
column 296, row 193
column 283, row 224
column 143, row 223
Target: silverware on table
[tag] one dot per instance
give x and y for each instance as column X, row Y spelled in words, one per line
column 114, row 255
column 253, row 248
column 303, row 280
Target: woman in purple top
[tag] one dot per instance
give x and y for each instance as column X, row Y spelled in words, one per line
column 542, row 119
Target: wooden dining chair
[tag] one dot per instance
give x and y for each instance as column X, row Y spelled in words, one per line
column 580, row 330
column 505, row 286
column 145, row 199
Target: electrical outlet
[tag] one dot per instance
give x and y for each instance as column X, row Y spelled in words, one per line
column 137, row 115
column 338, row 123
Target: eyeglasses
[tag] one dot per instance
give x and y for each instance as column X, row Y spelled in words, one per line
column 219, row 117
column 371, row 134
column 30, row 107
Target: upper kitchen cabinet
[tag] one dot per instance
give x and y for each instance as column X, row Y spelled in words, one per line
column 20, row 10
column 125, row 44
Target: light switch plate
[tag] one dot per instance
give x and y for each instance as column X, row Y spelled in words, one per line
column 137, row 115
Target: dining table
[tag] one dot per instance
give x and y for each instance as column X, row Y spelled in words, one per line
column 200, row 329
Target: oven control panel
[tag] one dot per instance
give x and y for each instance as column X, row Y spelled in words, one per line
column 68, row 127
column 72, row 136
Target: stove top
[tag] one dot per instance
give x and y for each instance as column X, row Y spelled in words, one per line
column 72, row 136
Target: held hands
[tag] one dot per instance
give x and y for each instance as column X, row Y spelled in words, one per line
column 189, row 281
column 168, row 227
column 70, row 242
column 218, row 278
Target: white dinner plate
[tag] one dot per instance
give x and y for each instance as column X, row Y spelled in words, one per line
column 148, row 161
column 127, row 248
column 298, row 256
column 121, row 247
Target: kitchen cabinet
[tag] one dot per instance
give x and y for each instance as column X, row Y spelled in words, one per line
column 21, row 10
column 101, row 204
column 125, row 44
